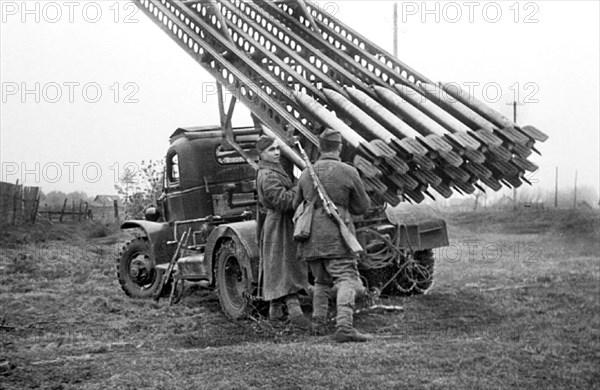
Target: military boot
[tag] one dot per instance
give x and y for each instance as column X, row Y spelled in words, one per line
column 345, row 335
column 345, row 331
column 320, row 302
column 276, row 311
column 320, row 309
column 296, row 316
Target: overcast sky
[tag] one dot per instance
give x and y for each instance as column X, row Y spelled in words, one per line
column 89, row 86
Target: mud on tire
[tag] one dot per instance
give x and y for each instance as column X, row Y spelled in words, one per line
column 231, row 282
column 135, row 269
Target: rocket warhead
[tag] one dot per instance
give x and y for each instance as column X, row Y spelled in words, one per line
column 435, row 143
column 492, row 183
column 513, row 135
column 426, row 177
column 524, row 164
column 499, row 153
column 521, row 150
column 487, row 137
column 465, row 141
column 477, row 170
column 443, row 190
column 525, row 135
column 365, row 167
column 534, row 133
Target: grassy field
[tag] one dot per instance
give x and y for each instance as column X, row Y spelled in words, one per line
column 515, row 305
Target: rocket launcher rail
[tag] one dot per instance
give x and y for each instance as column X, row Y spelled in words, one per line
column 299, row 69
column 372, row 60
column 373, row 72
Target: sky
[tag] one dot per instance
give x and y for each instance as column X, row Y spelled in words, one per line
column 92, row 87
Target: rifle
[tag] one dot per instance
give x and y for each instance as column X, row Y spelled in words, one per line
column 329, row 207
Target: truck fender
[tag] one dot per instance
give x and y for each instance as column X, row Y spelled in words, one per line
column 158, row 233
column 243, row 235
column 418, row 231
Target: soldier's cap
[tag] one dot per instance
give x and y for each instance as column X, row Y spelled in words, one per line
column 331, row 135
column 263, row 142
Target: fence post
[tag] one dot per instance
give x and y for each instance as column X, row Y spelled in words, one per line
column 79, row 212
column 86, row 216
column 62, row 212
column 116, row 206
column 15, row 192
column 37, row 204
column 23, row 204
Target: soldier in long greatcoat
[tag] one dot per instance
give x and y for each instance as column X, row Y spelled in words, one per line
column 283, row 274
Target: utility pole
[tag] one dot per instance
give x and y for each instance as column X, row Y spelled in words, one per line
column 514, row 104
column 575, row 192
column 556, row 189
column 395, row 29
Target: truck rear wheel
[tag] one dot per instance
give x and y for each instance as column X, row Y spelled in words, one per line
column 415, row 278
column 424, row 274
column 135, row 269
column 231, row 280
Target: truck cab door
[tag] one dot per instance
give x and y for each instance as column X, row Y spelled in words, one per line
column 173, row 193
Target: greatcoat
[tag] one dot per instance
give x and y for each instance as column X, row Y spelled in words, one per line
column 342, row 182
column 283, row 273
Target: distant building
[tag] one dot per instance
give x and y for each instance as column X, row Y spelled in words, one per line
column 107, row 200
column 102, row 207
column 583, row 205
column 504, row 203
column 532, row 205
column 508, row 203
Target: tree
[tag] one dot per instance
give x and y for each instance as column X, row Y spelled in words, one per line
column 55, row 199
column 77, row 196
column 478, row 194
column 140, row 186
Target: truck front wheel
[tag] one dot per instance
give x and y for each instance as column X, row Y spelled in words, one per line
column 231, row 280
column 135, row 269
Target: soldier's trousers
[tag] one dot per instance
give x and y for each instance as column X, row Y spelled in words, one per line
column 344, row 275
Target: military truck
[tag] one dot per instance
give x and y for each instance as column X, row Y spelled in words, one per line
column 298, row 69
column 210, row 188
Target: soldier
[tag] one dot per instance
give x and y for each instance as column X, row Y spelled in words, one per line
column 328, row 257
column 283, row 275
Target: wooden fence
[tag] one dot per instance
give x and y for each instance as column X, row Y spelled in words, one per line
column 109, row 212
column 80, row 210
column 18, row 204
column 21, row 204
column 66, row 213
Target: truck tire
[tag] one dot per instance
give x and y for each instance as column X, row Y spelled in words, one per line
column 415, row 279
column 231, row 282
column 135, row 269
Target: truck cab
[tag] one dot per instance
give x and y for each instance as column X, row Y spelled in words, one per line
column 209, row 191
column 204, row 176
